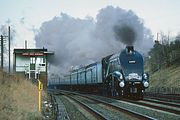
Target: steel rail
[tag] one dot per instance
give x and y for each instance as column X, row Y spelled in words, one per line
column 172, row 104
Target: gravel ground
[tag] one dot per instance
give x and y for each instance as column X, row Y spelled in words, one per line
column 62, row 113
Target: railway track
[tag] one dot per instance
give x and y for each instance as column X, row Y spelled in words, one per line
column 92, row 111
column 147, row 108
column 157, row 104
column 107, row 108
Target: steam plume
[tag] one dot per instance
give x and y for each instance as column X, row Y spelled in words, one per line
column 82, row 41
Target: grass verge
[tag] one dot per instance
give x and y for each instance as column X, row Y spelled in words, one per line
column 166, row 80
column 19, row 98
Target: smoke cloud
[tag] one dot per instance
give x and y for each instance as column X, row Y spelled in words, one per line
column 125, row 34
column 82, row 41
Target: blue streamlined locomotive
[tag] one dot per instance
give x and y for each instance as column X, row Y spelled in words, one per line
column 116, row 75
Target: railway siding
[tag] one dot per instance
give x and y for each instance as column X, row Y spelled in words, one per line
column 158, row 114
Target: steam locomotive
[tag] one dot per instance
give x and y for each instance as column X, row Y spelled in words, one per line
column 119, row 74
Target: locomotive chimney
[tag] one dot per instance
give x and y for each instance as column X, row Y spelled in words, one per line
column 25, row 44
column 130, row 49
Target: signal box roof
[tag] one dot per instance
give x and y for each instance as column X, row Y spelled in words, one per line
column 33, row 52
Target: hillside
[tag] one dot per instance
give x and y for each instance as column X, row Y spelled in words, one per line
column 18, row 98
column 166, row 80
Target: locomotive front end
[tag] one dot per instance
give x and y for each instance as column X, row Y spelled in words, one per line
column 134, row 81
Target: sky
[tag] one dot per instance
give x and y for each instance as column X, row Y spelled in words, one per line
column 27, row 15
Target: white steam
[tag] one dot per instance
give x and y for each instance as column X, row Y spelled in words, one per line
column 82, row 41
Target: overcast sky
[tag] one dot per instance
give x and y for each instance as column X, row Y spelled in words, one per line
column 158, row 15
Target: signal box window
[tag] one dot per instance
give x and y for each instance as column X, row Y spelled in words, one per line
column 32, row 60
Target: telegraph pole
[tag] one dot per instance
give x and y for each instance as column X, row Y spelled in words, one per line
column 9, row 51
column 2, row 47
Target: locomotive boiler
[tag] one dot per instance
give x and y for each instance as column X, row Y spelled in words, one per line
column 119, row 74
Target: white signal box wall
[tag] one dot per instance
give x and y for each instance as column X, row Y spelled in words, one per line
column 31, row 63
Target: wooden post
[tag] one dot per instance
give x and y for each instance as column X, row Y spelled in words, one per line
column 9, row 36
column 2, row 50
